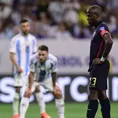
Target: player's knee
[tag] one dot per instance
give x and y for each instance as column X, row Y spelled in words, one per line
column 17, row 89
column 37, row 90
column 17, row 96
column 102, row 95
column 26, row 94
column 92, row 96
column 58, row 94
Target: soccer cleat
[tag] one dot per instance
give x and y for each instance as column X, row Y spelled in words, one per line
column 45, row 115
column 16, row 116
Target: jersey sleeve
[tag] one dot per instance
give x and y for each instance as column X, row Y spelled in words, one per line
column 13, row 46
column 32, row 65
column 103, row 30
column 35, row 45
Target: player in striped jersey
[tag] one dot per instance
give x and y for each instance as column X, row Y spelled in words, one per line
column 44, row 67
column 22, row 47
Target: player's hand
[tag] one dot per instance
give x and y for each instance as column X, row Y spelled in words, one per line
column 97, row 61
column 19, row 70
column 29, row 92
column 55, row 88
column 57, row 92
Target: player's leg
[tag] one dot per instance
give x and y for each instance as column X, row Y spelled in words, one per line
column 41, row 102
column 25, row 100
column 18, row 84
column 16, row 101
column 59, row 102
column 96, row 83
column 93, row 104
column 40, row 99
column 104, row 101
column 105, row 104
column 24, row 104
column 92, row 97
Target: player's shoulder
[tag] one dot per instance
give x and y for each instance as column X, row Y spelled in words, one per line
column 52, row 57
column 16, row 37
column 103, row 26
column 32, row 36
column 34, row 58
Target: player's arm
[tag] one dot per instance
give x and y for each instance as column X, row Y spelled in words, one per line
column 30, row 79
column 54, row 72
column 13, row 60
column 31, row 74
column 54, row 76
column 108, row 45
column 12, row 55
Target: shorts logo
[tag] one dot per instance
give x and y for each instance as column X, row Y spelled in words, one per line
column 93, row 81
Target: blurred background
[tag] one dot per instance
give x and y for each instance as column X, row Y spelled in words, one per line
column 62, row 26
column 54, row 18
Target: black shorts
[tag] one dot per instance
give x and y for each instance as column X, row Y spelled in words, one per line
column 98, row 76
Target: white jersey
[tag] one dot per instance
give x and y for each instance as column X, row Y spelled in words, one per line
column 23, row 47
column 43, row 70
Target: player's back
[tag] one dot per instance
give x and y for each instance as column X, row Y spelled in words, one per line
column 23, row 47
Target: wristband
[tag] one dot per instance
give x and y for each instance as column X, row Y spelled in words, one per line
column 102, row 59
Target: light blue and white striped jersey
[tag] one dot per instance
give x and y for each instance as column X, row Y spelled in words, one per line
column 23, row 47
column 43, row 70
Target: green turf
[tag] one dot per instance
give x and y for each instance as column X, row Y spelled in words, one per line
column 72, row 110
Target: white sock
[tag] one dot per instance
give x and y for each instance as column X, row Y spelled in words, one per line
column 16, row 103
column 41, row 102
column 24, row 106
column 60, row 107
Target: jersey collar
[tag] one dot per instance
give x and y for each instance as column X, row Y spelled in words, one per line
column 98, row 23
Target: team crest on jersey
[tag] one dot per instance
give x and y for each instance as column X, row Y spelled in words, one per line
column 42, row 68
column 102, row 28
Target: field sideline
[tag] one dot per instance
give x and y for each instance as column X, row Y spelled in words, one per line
column 72, row 110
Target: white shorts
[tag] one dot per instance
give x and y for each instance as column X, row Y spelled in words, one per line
column 47, row 84
column 20, row 80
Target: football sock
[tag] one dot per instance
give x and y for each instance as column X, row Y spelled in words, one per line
column 60, row 107
column 41, row 102
column 92, row 108
column 24, row 106
column 105, row 108
column 16, row 103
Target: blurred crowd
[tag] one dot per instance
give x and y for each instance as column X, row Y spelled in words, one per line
column 55, row 19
